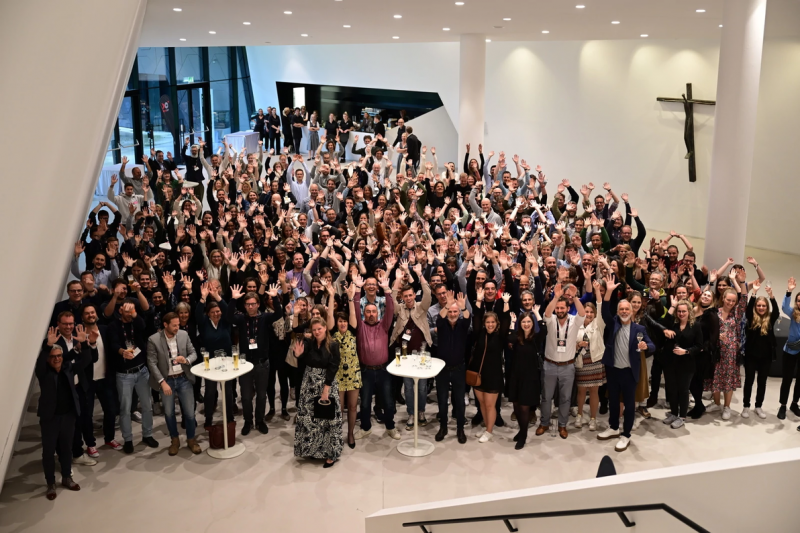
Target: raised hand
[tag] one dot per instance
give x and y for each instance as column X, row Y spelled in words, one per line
column 80, row 333
column 52, row 336
column 358, row 281
column 506, row 297
column 792, row 285
column 236, row 292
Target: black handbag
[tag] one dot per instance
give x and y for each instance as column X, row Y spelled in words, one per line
column 326, row 410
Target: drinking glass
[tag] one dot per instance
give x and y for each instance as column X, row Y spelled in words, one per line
column 206, row 362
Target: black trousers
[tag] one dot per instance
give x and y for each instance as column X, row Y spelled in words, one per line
column 105, row 390
column 84, row 426
column 752, row 365
column 297, row 140
column 456, row 377
column 278, row 373
column 254, row 383
column 57, row 438
column 791, row 370
column 655, row 377
column 621, row 382
column 678, row 379
column 274, row 141
column 701, row 364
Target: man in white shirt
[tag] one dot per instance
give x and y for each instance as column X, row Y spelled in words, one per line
column 559, row 355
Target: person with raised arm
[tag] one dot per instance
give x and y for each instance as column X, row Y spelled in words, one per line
column 791, row 352
column 759, row 349
column 452, row 327
column 683, row 343
column 624, row 340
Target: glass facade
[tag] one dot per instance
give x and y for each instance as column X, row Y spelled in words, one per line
column 174, row 93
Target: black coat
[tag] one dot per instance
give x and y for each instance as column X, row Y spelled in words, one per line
column 48, row 380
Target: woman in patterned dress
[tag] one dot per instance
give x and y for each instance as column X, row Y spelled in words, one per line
column 726, row 372
column 318, row 438
column 343, row 327
column 590, row 373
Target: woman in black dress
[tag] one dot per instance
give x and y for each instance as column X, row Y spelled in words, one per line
column 487, row 357
column 683, row 343
column 318, row 438
column 345, row 127
column 260, row 125
column 759, row 349
column 525, row 380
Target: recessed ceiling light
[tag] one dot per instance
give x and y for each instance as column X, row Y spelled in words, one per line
column 644, row 35
column 246, row 23
column 287, row 12
column 212, row 32
column 720, row 25
column 459, row 3
column 183, row 39
column 545, row 31
column 579, row 7
column 699, row 10
column 506, row 19
column 614, row 22
column 445, row 29
column 488, row 40
column 398, row 16
column 395, row 37
column 303, row 35
column 177, row 9
column 346, row 26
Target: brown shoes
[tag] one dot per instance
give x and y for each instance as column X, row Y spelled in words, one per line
column 69, row 483
column 562, row 431
column 175, row 446
column 541, row 429
column 192, row 445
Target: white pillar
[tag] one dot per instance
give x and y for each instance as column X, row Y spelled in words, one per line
column 471, row 94
column 65, row 68
column 734, row 130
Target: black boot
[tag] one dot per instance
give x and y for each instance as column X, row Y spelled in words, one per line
column 441, row 434
column 462, row 437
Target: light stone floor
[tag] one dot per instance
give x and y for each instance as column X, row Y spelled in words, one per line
column 267, row 487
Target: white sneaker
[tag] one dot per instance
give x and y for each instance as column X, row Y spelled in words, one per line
column 746, row 412
column 677, row 423
column 712, row 407
column 669, row 419
column 84, row 460
column 480, row 434
column 360, row 434
column 573, row 411
column 486, row 437
column 394, row 434
column 608, row 434
column 622, row 444
column 592, row 424
column 466, row 399
column 726, row 413
column 760, row 413
column 579, row 421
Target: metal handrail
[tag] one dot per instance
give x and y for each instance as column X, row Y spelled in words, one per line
column 619, row 511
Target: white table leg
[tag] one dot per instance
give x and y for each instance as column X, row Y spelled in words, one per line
column 227, row 452
column 224, row 417
column 416, row 409
column 419, row 448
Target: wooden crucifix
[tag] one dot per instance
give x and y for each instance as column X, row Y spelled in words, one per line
column 688, row 129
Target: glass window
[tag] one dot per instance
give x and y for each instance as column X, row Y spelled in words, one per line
column 219, row 63
column 245, row 104
column 188, row 65
column 220, row 109
column 112, row 143
column 158, row 120
column 126, row 139
column 153, row 67
column 244, row 70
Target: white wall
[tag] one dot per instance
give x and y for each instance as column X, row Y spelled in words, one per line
column 752, row 493
column 66, row 65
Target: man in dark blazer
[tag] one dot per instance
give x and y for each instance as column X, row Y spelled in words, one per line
column 414, row 147
column 59, row 405
column 170, row 355
column 624, row 339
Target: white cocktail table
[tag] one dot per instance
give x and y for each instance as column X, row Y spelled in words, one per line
column 410, row 368
column 220, row 376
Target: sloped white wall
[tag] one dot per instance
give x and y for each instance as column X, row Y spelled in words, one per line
column 65, row 67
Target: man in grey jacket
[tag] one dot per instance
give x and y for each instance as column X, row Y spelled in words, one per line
column 170, row 355
column 128, row 203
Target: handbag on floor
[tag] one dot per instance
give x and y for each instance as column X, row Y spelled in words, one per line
column 215, row 435
column 474, row 378
column 324, row 410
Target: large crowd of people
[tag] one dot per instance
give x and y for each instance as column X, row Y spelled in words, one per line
column 317, row 269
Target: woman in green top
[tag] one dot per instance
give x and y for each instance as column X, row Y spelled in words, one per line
column 342, row 328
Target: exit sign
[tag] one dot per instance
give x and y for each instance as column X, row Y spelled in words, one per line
column 190, row 79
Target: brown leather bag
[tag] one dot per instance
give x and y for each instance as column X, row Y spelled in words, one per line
column 215, row 435
column 474, row 378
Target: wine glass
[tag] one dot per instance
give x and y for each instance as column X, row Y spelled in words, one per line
column 639, row 336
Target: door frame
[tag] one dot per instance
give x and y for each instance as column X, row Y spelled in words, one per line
column 205, row 112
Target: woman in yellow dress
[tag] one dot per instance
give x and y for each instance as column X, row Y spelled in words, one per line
column 342, row 329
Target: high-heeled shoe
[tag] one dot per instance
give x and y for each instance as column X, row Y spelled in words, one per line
column 328, row 465
column 352, row 444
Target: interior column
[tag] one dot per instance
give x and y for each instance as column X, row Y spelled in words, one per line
column 734, row 130
column 66, row 66
column 471, row 94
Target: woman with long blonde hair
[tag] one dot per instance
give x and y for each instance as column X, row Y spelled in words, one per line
column 759, row 348
column 791, row 351
column 684, row 342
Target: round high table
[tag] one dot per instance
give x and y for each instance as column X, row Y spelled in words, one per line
column 220, row 376
column 410, row 368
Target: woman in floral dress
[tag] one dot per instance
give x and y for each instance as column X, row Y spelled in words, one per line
column 726, row 371
column 342, row 329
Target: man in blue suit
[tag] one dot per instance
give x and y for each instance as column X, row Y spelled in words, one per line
column 624, row 339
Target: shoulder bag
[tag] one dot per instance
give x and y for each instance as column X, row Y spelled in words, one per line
column 474, row 378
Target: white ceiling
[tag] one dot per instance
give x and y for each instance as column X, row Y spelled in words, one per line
column 372, row 21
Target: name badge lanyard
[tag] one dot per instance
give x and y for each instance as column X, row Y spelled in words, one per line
column 562, row 344
column 252, row 331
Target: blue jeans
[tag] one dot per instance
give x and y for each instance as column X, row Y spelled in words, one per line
column 455, row 376
column 126, row 383
column 376, row 382
column 422, row 396
column 183, row 389
column 621, row 382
